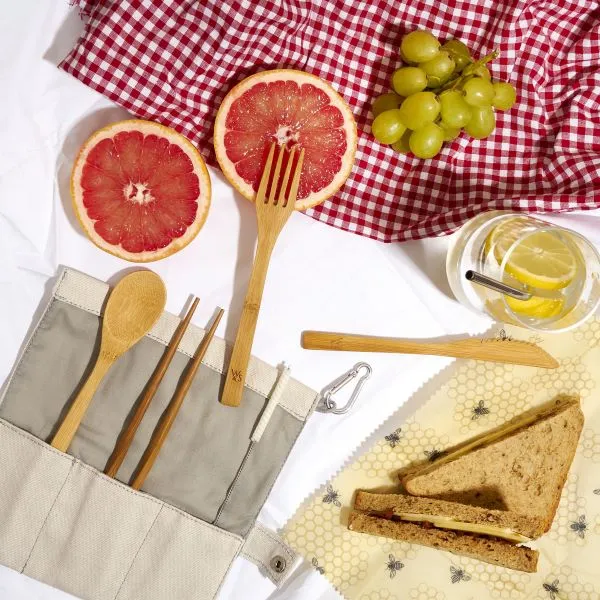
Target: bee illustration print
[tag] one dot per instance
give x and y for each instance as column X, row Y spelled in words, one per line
column 597, row 492
column 332, row 497
column 479, row 410
column 458, row 574
column 315, row 564
column 433, row 455
column 502, row 337
column 393, row 566
column 579, row 526
column 393, row 438
column 552, row 589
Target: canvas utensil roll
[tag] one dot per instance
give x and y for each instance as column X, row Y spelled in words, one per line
column 63, row 522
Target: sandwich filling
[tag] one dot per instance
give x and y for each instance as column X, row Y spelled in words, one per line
column 442, row 522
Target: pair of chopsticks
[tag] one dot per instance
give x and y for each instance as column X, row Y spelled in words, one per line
column 166, row 421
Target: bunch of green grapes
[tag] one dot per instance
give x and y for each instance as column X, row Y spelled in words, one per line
column 439, row 92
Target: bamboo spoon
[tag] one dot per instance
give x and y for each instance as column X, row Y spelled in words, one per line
column 272, row 215
column 168, row 417
column 133, row 307
column 495, row 350
column 125, row 439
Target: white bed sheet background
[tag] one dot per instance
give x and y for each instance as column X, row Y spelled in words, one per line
column 320, row 277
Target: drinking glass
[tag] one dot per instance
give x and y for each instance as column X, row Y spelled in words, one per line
column 557, row 267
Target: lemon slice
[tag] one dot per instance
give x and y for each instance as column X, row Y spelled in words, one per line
column 542, row 260
column 503, row 236
column 536, row 307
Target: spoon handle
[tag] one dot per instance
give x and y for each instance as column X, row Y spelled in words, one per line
column 68, row 428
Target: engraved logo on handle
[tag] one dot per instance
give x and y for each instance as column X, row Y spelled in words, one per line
column 237, row 375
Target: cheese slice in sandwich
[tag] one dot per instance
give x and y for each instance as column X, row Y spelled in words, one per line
column 488, row 535
column 520, row 467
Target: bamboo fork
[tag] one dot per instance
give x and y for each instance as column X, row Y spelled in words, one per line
column 164, row 425
column 125, row 439
column 272, row 214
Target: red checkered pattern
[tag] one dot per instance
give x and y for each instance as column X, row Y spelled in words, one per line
column 174, row 60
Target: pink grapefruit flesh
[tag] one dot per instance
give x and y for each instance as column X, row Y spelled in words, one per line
column 291, row 108
column 140, row 190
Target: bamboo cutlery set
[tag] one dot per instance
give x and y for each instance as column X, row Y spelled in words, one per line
column 133, row 307
column 138, row 300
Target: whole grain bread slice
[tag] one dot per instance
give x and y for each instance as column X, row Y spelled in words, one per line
column 521, row 467
column 528, row 525
column 493, row 551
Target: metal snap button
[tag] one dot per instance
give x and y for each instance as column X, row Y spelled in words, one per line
column 278, row 564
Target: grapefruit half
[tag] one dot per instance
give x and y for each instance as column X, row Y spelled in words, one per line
column 292, row 108
column 140, row 190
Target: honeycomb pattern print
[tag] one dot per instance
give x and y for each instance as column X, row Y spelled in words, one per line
column 411, row 443
column 382, row 594
column 500, row 582
column 562, row 582
column 485, row 397
column 570, row 523
column 571, row 376
column 588, row 333
column 425, row 592
column 589, row 445
column 334, row 547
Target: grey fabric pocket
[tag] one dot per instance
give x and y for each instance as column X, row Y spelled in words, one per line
column 206, row 450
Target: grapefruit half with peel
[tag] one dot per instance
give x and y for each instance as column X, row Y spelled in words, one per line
column 292, row 108
column 140, row 190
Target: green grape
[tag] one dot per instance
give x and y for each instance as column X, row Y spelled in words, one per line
column 385, row 102
column 460, row 54
column 482, row 123
column 455, row 46
column 409, row 80
column 419, row 46
column 478, row 92
column 505, row 95
column 402, row 145
column 454, row 110
column 450, row 133
column 419, row 109
column 388, row 127
column 478, row 71
column 460, row 61
column 438, row 69
column 426, row 141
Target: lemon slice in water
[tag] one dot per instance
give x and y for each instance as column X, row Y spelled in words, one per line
column 503, row 236
column 542, row 260
column 536, row 307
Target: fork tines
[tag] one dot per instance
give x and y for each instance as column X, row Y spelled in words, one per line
column 269, row 186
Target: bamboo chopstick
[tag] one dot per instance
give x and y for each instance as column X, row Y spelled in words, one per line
column 168, row 417
column 125, row 439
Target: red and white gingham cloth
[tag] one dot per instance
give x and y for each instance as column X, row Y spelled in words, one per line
column 174, row 60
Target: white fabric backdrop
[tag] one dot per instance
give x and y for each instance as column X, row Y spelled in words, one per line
column 354, row 284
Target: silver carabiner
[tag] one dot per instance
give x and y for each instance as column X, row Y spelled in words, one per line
column 328, row 405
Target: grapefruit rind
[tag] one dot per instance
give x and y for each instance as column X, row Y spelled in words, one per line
column 300, row 77
column 145, row 127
